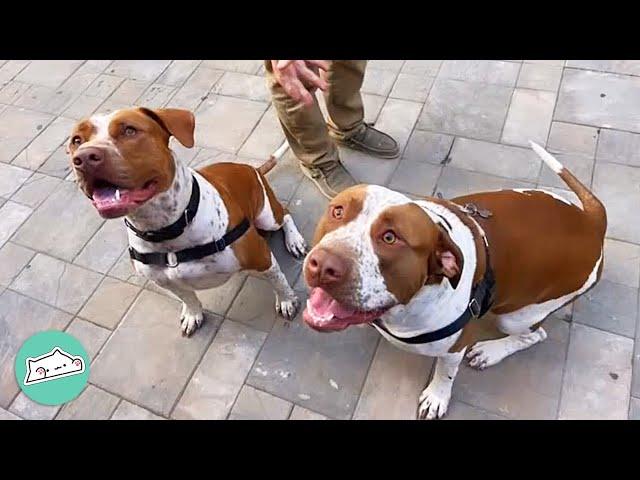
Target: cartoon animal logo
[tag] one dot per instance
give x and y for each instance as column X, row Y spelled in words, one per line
column 52, row 365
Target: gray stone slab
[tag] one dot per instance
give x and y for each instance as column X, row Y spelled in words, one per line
column 617, row 187
column 461, row 411
column 609, row 306
column 21, row 317
column 196, row 89
column 254, row 404
column 12, row 215
column 412, row 87
column 391, row 65
column 529, row 117
column 58, row 164
column 242, row 66
column 599, row 99
column 160, row 360
column 428, row 147
column 146, row 70
column 580, row 165
column 322, row 372
column 301, row 413
column 378, row 82
column 123, row 270
column 12, row 91
column 92, row 337
column 394, row 383
column 242, row 85
column 91, row 404
column 42, row 147
column 415, row 177
column 306, row 207
column 12, row 178
column 129, row 91
column 525, row 385
column 12, row 68
column 103, row 86
column 36, row 189
column 82, row 107
column 156, row 96
column 4, row 415
column 218, row 379
column 540, row 77
column 266, row 138
column 13, row 259
column 619, row 147
column 104, row 248
column 456, row 182
column 573, row 139
column 486, row 71
column 109, row 302
column 555, row 63
column 254, row 305
column 18, row 127
column 67, row 219
column 129, row 411
column 621, row 263
column 475, row 110
column 178, row 72
column 421, row 67
column 627, row 67
column 634, row 409
column 26, row 408
column 48, row 73
column 597, row 376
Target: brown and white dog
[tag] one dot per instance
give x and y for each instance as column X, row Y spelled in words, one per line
column 418, row 271
column 123, row 163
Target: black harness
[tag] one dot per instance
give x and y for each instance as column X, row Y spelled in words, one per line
column 172, row 259
column 479, row 304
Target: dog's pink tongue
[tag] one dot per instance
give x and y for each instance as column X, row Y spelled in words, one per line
column 104, row 196
column 324, row 304
column 111, row 204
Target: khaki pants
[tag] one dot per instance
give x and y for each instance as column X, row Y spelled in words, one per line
column 305, row 128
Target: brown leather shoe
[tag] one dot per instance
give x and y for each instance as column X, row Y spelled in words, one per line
column 371, row 141
column 330, row 177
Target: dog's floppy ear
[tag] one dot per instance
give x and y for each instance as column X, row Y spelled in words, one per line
column 446, row 259
column 178, row 122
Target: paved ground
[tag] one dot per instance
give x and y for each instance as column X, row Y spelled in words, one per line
column 462, row 126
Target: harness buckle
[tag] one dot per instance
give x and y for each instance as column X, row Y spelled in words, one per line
column 172, row 260
column 474, row 308
column 220, row 245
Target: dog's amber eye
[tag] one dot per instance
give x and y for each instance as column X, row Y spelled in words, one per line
column 337, row 212
column 76, row 140
column 389, row 237
column 130, row 131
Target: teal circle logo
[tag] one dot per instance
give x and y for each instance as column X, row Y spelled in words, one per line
column 52, row 367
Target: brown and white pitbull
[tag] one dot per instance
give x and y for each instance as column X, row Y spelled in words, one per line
column 177, row 217
column 419, row 271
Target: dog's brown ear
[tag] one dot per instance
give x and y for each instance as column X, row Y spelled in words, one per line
column 178, row 122
column 446, row 260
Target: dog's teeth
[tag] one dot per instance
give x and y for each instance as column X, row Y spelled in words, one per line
column 118, row 194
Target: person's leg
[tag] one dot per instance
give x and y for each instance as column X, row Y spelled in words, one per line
column 346, row 111
column 307, row 135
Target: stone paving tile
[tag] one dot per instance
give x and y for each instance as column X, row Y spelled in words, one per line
column 208, row 156
column 634, row 409
column 622, row 263
column 123, row 270
column 48, row 73
column 540, row 77
column 378, row 82
column 46, row 144
column 619, row 147
column 26, row 408
column 91, row 404
column 196, row 89
column 391, row 65
column 56, row 283
column 456, row 182
column 525, row 385
column 51, row 100
column 2, row 201
column 241, row 66
column 627, row 67
column 411, row 87
column 219, row 378
column 35, row 189
column 58, row 164
column 372, row 106
column 503, row 160
column 581, row 166
column 12, row 178
column 617, row 187
column 556, row 63
column 416, row 178
column 21, row 317
column 103, row 86
column 462, row 411
column 18, row 127
column 599, row 99
column 156, row 96
column 241, row 85
column 218, row 300
column 421, row 67
column 11, row 69
column 109, row 302
column 476, row 110
column 12, row 91
column 397, row 119
column 178, row 72
column 598, row 375
column 266, row 138
column 428, row 147
column 12, row 215
column 82, row 107
column 529, row 117
column 92, row 337
column 226, row 122
column 574, row 139
column 306, row 207
column 254, row 404
column 104, row 248
column 93, row 66
column 129, row 411
column 285, row 176
column 4, row 415
column 13, row 259
column 254, row 305
column 394, row 383
column 159, row 359
column 301, row 413
column 145, row 70
column 307, row 367
column 485, row 71
column 66, row 219
column 129, row 91
column 635, row 381
column 609, row 306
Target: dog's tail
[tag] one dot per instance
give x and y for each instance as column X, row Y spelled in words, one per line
column 592, row 206
column 273, row 159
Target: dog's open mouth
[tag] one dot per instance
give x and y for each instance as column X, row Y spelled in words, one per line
column 113, row 201
column 324, row 313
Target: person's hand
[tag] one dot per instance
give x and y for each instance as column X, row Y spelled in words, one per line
column 300, row 78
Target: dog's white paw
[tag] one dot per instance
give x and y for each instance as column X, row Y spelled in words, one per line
column 434, row 401
column 190, row 321
column 295, row 243
column 288, row 308
column 487, row 354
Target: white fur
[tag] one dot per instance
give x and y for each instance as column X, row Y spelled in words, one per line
column 488, row 353
column 546, row 192
column 549, row 159
column 434, row 400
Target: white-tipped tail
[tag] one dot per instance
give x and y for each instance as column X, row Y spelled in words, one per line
column 280, row 151
column 549, row 159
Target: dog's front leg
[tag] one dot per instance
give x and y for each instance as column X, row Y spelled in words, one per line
column 192, row 315
column 287, row 303
column 434, row 399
